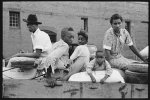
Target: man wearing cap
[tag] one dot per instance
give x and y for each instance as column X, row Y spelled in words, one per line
column 40, row 40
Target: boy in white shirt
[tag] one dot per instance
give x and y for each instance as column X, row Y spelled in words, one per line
column 81, row 50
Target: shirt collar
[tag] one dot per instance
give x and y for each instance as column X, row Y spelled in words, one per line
column 98, row 64
column 62, row 41
column 83, row 45
column 33, row 34
column 115, row 34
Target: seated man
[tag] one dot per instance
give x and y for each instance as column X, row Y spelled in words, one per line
column 40, row 40
column 113, row 43
column 98, row 70
column 59, row 56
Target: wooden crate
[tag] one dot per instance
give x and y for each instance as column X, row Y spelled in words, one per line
column 36, row 89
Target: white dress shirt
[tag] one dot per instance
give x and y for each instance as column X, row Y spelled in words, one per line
column 81, row 51
column 58, row 57
column 41, row 40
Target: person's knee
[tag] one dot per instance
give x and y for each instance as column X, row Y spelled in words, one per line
column 75, row 69
column 14, row 59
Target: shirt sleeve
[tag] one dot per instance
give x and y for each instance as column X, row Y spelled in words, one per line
column 53, row 57
column 75, row 54
column 41, row 42
column 57, row 53
column 90, row 66
column 108, row 68
column 128, row 40
column 107, row 42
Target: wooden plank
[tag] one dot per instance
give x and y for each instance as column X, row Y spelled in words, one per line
column 140, row 91
column 24, row 89
column 70, row 90
column 36, row 89
column 108, row 90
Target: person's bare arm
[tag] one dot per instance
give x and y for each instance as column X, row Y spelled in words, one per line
column 135, row 51
column 92, row 77
column 103, row 79
column 108, row 55
column 108, row 72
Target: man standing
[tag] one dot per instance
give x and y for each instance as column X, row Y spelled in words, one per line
column 113, row 43
column 40, row 40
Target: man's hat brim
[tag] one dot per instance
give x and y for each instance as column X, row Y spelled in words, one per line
column 31, row 22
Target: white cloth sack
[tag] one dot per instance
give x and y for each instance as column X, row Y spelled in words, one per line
column 84, row 77
column 145, row 52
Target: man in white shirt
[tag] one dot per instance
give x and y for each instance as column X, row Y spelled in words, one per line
column 40, row 40
column 59, row 56
column 113, row 43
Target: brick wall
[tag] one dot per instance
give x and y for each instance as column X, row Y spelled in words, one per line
column 61, row 14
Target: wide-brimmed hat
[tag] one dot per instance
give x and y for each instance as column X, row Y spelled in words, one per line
column 32, row 19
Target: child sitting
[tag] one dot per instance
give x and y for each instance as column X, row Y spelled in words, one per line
column 99, row 63
column 80, row 57
column 81, row 50
column 98, row 70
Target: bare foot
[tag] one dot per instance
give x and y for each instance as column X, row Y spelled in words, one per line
column 50, row 82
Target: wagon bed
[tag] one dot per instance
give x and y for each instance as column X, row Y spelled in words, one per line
column 36, row 89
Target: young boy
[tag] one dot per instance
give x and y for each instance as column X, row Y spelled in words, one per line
column 114, row 40
column 81, row 50
column 100, row 64
column 98, row 70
